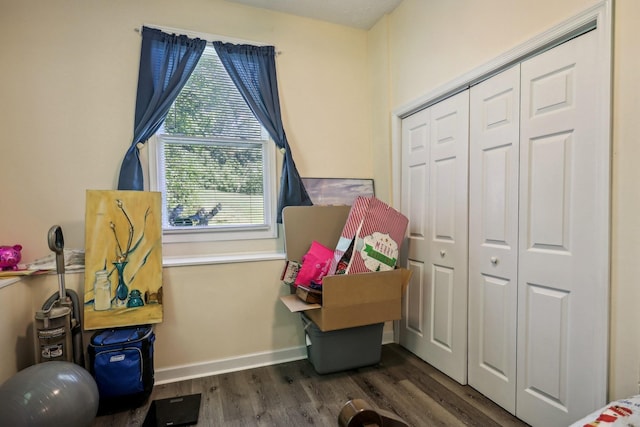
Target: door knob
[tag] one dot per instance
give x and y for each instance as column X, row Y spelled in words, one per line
column 494, row 260
column 442, row 253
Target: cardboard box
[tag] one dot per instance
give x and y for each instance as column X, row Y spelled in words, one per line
column 348, row 300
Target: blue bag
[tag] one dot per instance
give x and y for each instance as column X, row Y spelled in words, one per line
column 121, row 361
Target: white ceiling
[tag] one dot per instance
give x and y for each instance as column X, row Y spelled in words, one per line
column 361, row 14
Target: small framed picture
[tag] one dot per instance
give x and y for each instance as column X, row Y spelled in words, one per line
column 337, row 191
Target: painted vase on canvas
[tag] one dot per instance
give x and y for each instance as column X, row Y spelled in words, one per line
column 122, row 290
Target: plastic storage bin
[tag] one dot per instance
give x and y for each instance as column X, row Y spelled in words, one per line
column 342, row 349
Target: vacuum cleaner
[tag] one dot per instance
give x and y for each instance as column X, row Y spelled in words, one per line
column 58, row 326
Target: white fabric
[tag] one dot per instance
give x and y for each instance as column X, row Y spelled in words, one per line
column 623, row 412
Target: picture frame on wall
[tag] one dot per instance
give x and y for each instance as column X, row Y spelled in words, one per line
column 337, row 191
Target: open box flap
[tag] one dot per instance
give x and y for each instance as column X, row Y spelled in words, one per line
column 295, row 304
column 304, row 224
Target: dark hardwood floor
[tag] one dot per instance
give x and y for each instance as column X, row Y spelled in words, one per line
column 292, row 394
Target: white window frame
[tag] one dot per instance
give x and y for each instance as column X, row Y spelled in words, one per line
column 269, row 230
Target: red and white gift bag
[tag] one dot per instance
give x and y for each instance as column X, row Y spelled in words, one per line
column 371, row 238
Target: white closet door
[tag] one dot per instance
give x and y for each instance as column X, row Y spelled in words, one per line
column 416, row 134
column 494, row 131
column 446, row 315
column 563, row 262
column 435, row 192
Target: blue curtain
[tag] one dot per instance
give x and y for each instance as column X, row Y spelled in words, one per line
column 166, row 62
column 253, row 70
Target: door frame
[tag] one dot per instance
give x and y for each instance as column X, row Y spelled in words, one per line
column 598, row 17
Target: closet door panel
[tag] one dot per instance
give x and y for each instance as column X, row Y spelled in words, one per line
column 435, row 198
column 444, row 199
column 448, row 237
column 414, row 309
column 547, row 314
column 549, row 202
column 416, row 134
column 563, row 262
column 444, row 232
column 442, row 308
column 495, row 321
column 493, row 236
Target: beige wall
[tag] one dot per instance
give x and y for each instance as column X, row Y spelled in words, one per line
column 67, row 92
column 431, row 43
column 69, row 84
column 379, row 82
column 625, row 271
column 16, row 336
column 68, row 96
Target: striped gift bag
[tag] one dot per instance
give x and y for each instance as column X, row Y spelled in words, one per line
column 342, row 254
column 374, row 233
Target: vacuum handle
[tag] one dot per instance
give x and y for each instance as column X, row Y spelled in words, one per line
column 56, row 244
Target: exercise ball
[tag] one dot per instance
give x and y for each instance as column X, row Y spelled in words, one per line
column 49, row 394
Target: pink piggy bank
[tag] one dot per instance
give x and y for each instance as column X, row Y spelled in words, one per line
column 10, row 257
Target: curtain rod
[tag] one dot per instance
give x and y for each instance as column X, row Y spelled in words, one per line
column 203, row 36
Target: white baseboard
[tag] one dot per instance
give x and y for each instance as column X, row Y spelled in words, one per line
column 388, row 337
column 249, row 361
column 221, row 366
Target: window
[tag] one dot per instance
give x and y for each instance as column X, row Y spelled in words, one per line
column 215, row 163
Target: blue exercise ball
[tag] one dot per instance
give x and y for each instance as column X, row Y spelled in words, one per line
column 49, row 394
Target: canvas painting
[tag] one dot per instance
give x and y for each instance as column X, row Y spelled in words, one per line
column 337, row 191
column 123, row 259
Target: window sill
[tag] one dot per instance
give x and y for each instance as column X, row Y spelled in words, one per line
column 183, row 261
